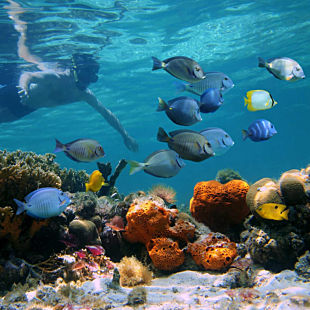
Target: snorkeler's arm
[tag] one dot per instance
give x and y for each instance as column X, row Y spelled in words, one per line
column 34, row 77
column 91, row 99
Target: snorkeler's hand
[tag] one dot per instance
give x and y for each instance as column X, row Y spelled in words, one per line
column 131, row 144
column 22, row 93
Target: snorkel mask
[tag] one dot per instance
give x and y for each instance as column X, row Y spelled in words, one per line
column 84, row 69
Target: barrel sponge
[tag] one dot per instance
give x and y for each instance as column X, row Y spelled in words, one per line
column 220, row 206
column 263, row 191
column 293, row 189
column 213, row 252
column 146, row 220
column 165, row 253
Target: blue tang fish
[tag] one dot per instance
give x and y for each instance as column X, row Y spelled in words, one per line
column 219, row 139
column 217, row 80
column 259, row 130
column 44, row 203
column 162, row 164
column 211, row 100
column 182, row 110
column 81, row 150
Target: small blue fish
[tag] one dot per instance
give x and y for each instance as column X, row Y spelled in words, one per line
column 162, row 164
column 211, row 100
column 259, row 130
column 219, row 139
column 81, row 150
column 182, row 110
column 217, row 80
column 44, row 203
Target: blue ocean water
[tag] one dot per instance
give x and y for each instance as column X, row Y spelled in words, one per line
column 225, row 36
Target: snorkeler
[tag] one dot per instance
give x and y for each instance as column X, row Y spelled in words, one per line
column 53, row 87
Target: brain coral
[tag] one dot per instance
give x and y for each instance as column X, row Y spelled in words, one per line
column 23, row 172
column 165, row 253
column 214, row 252
column 220, row 206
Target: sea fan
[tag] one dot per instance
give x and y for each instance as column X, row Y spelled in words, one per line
column 165, row 192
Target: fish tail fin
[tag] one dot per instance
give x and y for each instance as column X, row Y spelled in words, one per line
column 59, row 146
column 180, row 86
column 87, row 187
column 105, row 184
column 157, row 64
column 246, row 101
column 261, row 62
column 162, row 105
column 135, row 166
column 285, row 214
column 20, row 206
column 162, row 136
column 245, row 134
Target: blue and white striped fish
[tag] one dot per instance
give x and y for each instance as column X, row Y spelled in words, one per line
column 81, row 150
column 259, row 130
column 43, row 203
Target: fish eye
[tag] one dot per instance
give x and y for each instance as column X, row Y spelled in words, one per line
column 297, row 69
column 197, row 68
column 225, row 78
column 276, row 207
column 208, row 144
column 226, row 136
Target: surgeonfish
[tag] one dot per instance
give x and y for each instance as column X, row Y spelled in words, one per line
column 273, row 211
column 181, row 110
column 219, row 139
column 217, row 80
column 188, row 144
column 43, row 203
column 181, row 67
column 81, row 150
column 283, row 68
column 259, row 130
column 211, row 100
column 257, row 100
column 96, row 181
column 162, row 164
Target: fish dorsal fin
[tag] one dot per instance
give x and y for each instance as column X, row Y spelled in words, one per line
column 176, row 132
column 153, row 154
column 29, row 196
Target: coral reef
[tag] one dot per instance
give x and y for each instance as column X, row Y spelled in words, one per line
column 213, row 252
column 133, row 272
column 167, row 193
column 165, row 253
column 106, row 170
column 220, row 206
column 225, row 175
column 302, row 267
column 85, row 232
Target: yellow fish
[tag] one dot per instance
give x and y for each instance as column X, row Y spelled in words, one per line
column 273, row 211
column 96, row 181
column 257, row 100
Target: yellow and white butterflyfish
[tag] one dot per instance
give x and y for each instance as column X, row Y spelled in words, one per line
column 257, row 100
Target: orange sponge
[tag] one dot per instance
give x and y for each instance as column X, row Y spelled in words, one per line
column 165, row 253
column 220, row 206
column 214, row 252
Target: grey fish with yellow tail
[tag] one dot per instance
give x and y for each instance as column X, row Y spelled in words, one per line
column 162, row 164
column 188, row 144
column 81, row 150
column 181, row 67
column 273, row 211
column 283, row 68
